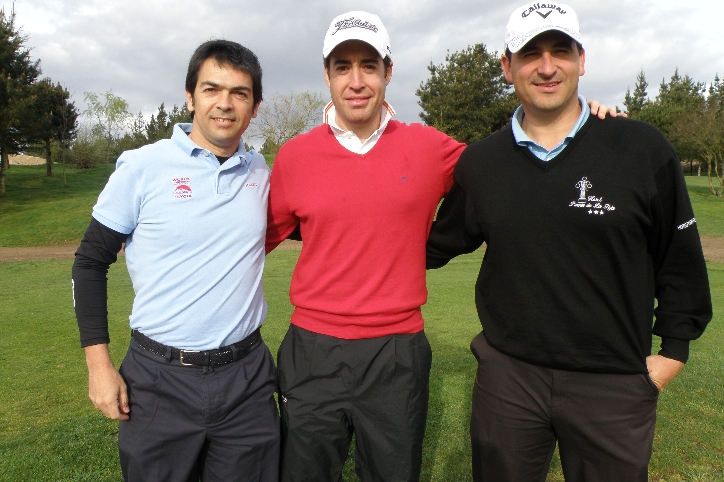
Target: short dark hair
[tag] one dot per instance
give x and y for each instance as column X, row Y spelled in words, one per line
column 225, row 52
column 509, row 54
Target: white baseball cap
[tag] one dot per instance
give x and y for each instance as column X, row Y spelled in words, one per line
column 537, row 17
column 357, row 25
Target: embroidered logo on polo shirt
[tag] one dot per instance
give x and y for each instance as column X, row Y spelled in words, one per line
column 182, row 187
column 251, row 184
column 594, row 205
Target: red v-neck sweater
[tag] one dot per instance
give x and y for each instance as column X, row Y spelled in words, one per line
column 364, row 220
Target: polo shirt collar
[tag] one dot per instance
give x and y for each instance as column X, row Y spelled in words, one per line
column 522, row 139
column 180, row 137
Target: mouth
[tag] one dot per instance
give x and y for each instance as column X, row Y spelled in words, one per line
column 547, row 86
column 357, row 101
column 223, row 121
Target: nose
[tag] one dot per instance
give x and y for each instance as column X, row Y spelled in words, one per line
column 546, row 67
column 223, row 101
column 355, row 79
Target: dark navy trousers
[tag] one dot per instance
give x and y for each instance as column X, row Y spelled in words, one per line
column 190, row 423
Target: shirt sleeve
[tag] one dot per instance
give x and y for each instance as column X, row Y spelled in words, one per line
column 97, row 251
column 119, row 204
column 456, row 230
column 681, row 281
column 451, row 151
column 281, row 221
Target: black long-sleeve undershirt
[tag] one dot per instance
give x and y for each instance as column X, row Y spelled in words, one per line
column 97, row 251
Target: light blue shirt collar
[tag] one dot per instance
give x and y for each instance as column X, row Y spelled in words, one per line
column 181, row 138
column 522, row 139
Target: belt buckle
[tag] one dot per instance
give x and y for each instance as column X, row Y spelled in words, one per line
column 181, row 356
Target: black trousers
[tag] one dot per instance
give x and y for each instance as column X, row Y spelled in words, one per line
column 375, row 388
column 211, row 423
column 604, row 423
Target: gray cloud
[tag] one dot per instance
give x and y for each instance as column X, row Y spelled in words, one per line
column 140, row 49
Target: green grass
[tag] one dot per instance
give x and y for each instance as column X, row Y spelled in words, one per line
column 49, row 430
column 39, row 211
column 708, row 208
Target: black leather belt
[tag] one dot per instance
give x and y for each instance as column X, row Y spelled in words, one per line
column 219, row 356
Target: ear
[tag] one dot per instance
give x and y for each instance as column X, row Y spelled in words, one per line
column 255, row 110
column 388, row 74
column 189, row 101
column 506, row 68
column 326, row 77
column 582, row 62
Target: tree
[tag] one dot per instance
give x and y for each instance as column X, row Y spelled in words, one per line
column 50, row 116
column 17, row 73
column 283, row 116
column 67, row 119
column 700, row 132
column 161, row 125
column 677, row 97
column 467, row 97
column 636, row 102
column 110, row 117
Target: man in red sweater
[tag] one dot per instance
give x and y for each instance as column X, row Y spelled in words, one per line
column 363, row 190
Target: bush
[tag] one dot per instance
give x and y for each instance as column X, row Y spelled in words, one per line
column 82, row 154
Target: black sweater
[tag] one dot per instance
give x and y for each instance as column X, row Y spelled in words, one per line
column 579, row 247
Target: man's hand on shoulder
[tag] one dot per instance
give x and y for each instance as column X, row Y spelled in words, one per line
column 602, row 109
column 106, row 387
column 662, row 370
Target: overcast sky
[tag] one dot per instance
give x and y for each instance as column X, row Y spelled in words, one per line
column 140, row 48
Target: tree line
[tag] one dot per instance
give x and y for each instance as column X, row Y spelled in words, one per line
column 467, row 97
column 691, row 115
column 33, row 110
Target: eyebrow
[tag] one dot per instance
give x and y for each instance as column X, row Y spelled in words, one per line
column 219, row 86
column 371, row 60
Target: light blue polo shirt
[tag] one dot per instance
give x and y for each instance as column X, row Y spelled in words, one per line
column 195, row 250
column 522, row 139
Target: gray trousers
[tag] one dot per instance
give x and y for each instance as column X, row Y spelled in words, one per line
column 603, row 423
column 190, row 423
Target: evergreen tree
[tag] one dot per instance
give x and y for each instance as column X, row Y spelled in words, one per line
column 636, row 102
column 467, row 97
column 17, row 73
column 51, row 116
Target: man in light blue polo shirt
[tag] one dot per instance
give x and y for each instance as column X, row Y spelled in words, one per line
column 194, row 395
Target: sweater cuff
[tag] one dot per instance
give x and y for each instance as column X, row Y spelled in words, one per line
column 675, row 349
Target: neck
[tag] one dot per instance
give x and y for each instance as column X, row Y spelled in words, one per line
column 549, row 128
column 362, row 131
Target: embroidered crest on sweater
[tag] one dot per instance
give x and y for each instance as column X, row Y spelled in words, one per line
column 594, row 205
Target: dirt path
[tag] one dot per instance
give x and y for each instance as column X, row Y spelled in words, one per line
column 713, row 251
column 67, row 252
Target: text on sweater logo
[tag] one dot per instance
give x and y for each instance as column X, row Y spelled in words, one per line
column 593, row 204
column 681, row 227
column 182, row 187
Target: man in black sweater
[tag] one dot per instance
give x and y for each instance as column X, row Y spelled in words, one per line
column 587, row 223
